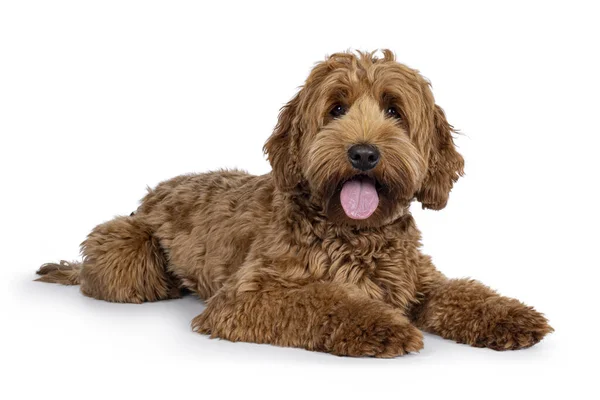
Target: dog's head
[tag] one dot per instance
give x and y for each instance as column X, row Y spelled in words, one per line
column 365, row 137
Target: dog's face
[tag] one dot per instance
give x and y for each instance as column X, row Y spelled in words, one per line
column 364, row 137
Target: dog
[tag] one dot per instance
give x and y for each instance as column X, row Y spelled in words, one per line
column 321, row 253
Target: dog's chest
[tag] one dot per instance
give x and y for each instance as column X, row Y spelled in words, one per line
column 384, row 270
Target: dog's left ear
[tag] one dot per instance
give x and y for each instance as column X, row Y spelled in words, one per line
column 445, row 164
column 282, row 147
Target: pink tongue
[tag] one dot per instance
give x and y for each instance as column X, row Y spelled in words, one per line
column 359, row 198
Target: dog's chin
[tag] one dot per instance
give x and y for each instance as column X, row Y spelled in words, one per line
column 363, row 201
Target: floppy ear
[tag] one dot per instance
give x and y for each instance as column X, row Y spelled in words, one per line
column 283, row 146
column 445, row 164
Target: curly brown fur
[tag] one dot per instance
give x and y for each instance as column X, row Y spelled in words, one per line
column 65, row 273
column 469, row 312
column 279, row 259
column 336, row 318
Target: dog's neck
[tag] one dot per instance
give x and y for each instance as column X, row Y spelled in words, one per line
column 304, row 213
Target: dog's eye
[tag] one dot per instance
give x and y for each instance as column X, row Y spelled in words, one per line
column 392, row 112
column 338, row 110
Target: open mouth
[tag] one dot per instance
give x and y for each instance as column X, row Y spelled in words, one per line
column 359, row 196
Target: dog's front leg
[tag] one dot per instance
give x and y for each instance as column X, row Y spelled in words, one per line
column 469, row 312
column 319, row 316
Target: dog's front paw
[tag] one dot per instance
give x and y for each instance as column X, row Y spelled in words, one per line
column 512, row 327
column 372, row 333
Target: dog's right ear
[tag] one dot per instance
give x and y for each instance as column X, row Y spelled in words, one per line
column 282, row 147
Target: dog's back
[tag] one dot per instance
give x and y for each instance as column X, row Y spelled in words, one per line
column 190, row 232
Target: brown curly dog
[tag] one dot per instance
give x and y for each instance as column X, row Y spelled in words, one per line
column 321, row 253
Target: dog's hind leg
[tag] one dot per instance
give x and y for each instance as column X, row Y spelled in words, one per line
column 122, row 262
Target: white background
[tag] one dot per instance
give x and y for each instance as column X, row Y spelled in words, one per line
column 100, row 99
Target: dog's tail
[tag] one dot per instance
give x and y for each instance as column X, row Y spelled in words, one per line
column 65, row 273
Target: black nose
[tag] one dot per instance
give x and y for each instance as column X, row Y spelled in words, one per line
column 363, row 156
